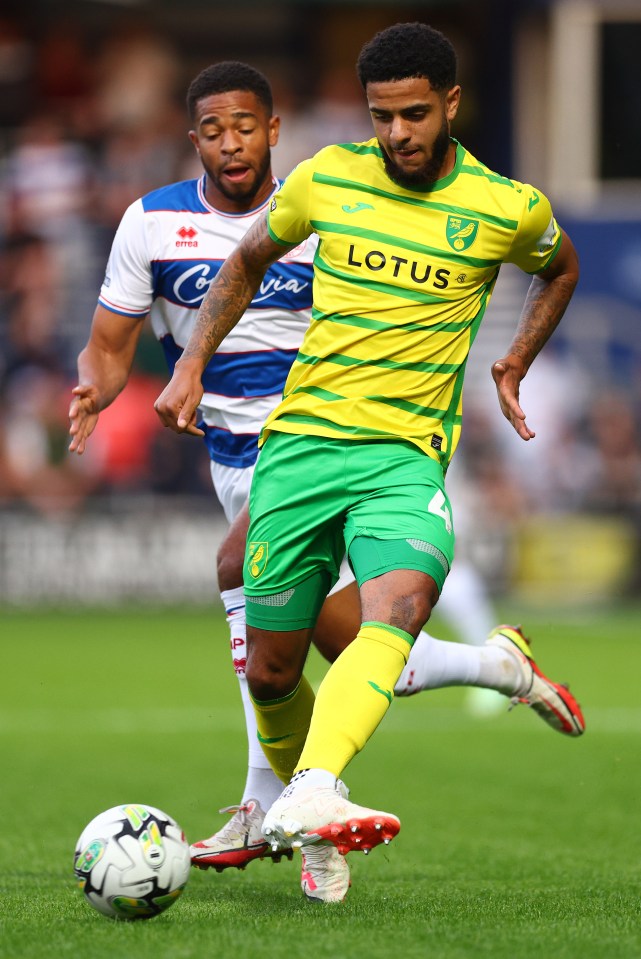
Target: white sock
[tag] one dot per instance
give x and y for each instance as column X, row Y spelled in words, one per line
column 304, row 778
column 434, row 663
column 261, row 783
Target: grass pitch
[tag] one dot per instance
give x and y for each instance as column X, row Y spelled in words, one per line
column 516, row 841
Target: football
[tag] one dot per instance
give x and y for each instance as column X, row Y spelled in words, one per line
column 132, row 862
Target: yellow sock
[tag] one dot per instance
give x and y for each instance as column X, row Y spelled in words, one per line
column 282, row 727
column 354, row 696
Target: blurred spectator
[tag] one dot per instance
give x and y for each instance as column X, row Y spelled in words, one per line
column 142, row 118
column 17, row 60
column 121, row 445
column 610, row 478
column 555, row 396
column 49, row 187
column 484, row 479
column 34, row 439
column 65, row 76
column 176, row 466
column 138, row 75
column 48, row 179
column 29, row 303
column 153, row 154
column 338, row 114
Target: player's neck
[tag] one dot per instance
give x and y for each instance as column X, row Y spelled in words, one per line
column 449, row 162
column 241, row 205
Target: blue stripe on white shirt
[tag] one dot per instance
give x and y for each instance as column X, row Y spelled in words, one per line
column 255, row 373
column 230, row 449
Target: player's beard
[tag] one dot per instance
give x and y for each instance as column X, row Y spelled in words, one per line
column 429, row 172
column 241, row 193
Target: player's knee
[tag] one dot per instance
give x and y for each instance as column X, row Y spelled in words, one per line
column 269, row 679
column 402, row 599
column 273, row 669
column 411, row 611
column 423, row 601
column 422, row 606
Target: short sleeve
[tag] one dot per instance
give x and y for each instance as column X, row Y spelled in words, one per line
column 128, row 284
column 288, row 217
column 538, row 237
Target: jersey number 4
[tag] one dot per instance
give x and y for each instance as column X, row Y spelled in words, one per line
column 438, row 506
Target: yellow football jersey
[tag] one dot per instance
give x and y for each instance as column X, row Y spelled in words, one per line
column 402, row 278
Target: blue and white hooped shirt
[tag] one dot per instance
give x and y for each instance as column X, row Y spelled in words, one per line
column 167, row 251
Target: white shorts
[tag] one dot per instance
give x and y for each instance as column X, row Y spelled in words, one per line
column 232, row 484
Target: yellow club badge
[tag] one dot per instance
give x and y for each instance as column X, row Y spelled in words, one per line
column 257, row 558
column 461, row 233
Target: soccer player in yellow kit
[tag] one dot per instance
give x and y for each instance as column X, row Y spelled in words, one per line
column 413, row 231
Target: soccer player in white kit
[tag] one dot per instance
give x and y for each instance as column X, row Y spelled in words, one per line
column 168, row 249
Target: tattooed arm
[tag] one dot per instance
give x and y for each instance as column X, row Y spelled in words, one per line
column 227, row 299
column 546, row 301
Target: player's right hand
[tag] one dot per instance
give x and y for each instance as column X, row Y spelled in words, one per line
column 83, row 416
column 507, row 374
column 178, row 403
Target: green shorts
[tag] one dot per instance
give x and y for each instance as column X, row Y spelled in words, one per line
column 313, row 499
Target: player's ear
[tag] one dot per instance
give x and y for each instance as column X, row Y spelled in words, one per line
column 274, row 130
column 193, row 136
column 452, row 100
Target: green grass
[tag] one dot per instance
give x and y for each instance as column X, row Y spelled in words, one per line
column 516, row 841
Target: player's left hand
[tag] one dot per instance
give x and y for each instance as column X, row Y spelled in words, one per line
column 83, row 416
column 178, row 403
column 507, row 374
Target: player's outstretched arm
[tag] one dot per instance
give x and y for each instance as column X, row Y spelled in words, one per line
column 547, row 298
column 103, row 371
column 227, row 299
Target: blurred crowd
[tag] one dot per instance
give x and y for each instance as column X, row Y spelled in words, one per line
column 84, row 132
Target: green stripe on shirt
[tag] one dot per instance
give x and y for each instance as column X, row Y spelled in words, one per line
column 414, row 201
column 343, row 359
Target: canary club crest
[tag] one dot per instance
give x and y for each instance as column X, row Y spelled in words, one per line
column 461, row 233
column 257, row 558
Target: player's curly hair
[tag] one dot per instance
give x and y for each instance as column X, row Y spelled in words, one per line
column 226, row 76
column 408, row 50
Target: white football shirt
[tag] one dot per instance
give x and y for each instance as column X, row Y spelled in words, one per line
column 167, row 251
